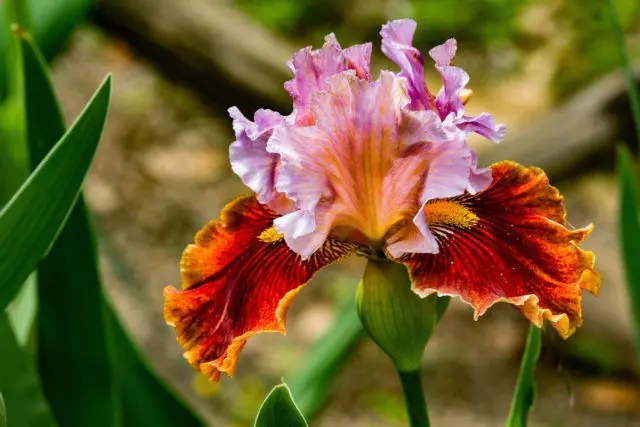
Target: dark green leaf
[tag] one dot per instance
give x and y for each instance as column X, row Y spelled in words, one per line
column 145, row 399
column 69, row 276
column 279, row 410
column 25, row 403
column 31, row 220
column 313, row 384
column 630, row 231
column 524, row 394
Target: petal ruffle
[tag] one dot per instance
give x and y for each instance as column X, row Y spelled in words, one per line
column 508, row 243
column 312, row 68
column 449, row 101
column 397, row 45
column 239, row 278
column 248, row 155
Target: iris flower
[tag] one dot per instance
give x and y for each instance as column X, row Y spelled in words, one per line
column 379, row 168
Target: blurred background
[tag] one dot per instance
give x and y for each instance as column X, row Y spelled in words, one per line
column 542, row 67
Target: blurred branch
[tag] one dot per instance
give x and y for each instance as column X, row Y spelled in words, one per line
column 207, row 45
column 577, row 135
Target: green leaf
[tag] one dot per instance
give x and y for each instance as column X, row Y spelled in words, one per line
column 524, row 394
column 25, row 403
column 145, row 399
column 70, row 276
column 630, row 232
column 3, row 413
column 31, row 220
column 326, row 358
column 279, row 410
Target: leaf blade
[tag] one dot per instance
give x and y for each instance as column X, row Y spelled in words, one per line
column 279, row 410
column 28, row 225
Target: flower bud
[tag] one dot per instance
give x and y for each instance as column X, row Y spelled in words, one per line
column 397, row 319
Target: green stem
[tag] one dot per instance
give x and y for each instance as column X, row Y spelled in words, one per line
column 414, row 398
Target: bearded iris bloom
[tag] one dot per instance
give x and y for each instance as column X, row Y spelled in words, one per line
column 379, row 168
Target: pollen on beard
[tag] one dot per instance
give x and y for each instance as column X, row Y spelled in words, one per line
column 447, row 213
column 270, row 235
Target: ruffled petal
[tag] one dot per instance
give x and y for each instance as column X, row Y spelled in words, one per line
column 358, row 58
column 508, row 243
column 443, row 54
column 483, row 125
column 480, row 178
column 238, row 279
column 397, row 45
column 450, row 103
column 248, row 155
column 310, row 69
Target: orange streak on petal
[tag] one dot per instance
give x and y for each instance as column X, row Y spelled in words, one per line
column 237, row 283
column 519, row 251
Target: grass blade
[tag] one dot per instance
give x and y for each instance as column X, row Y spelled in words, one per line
column 25, row 403
column 524, row 394
column 279, row 410
column 31, row 220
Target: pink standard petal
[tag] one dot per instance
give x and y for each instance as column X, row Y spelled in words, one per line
column 397, row 45
column 366, row 163
column 248, row 155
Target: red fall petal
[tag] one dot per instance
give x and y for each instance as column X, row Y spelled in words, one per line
column 238, row 279
column 508, row 243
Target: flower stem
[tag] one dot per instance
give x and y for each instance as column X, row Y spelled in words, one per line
column 414, row 398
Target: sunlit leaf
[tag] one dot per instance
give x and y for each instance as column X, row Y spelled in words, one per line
column 524, row 394
column 279, row 410
column 25, row 403
column 31, row 220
